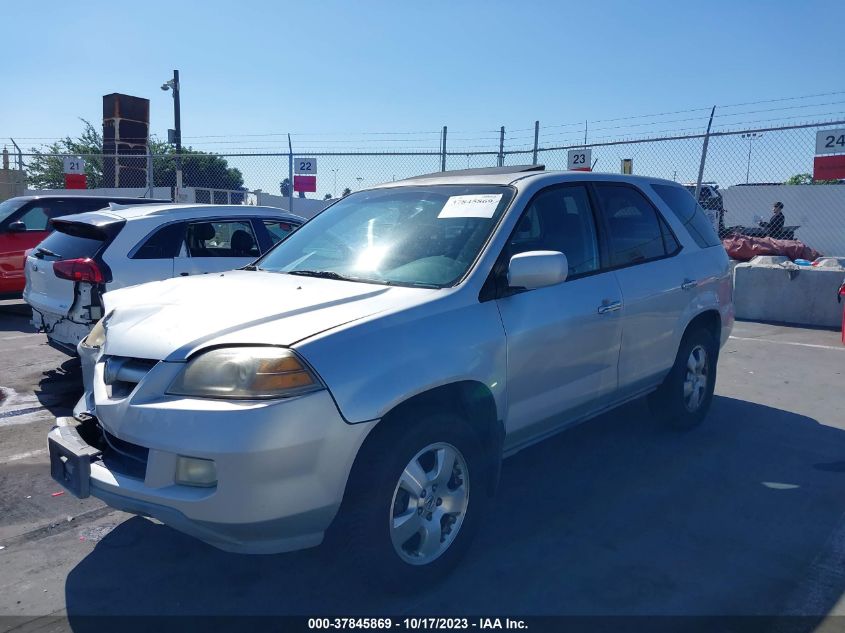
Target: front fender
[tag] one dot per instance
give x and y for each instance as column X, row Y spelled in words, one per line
column 371, row 366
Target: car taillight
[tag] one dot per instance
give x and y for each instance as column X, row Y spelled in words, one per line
column 84, row 269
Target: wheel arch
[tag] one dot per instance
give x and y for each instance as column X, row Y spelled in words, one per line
column 469, row 399
column 709, row 319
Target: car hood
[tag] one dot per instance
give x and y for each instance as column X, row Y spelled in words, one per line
column 169, row 320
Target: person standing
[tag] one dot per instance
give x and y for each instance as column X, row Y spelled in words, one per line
column 774, row 227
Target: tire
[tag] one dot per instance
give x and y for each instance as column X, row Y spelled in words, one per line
column 684, row 398
column 385, row 530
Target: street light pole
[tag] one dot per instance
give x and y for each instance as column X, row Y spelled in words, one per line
column 173, row 84
column 177, row 116
column 750, row 137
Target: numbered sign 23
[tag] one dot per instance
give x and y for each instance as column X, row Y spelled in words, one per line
column 579, row 159
column 305, row 166
column 830, row 141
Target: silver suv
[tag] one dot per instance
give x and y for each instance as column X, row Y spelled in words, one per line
column 365, row 378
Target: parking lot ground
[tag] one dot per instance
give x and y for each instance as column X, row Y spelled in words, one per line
column 742, row 516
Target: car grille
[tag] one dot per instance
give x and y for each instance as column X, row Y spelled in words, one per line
column 124, row 457
column 122, row 374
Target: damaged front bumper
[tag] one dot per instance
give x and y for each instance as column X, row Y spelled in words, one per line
column 281, row 466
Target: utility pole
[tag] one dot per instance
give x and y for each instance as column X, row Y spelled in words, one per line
column 502, row 146
column 704, row 155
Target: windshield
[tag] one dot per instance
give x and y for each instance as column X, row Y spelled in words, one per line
column 417, row 236
column 8, row 207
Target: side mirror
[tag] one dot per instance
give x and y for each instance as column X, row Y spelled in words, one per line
column 537, row 269
column 17, row 227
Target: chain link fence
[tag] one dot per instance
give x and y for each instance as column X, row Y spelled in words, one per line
column 744, row 173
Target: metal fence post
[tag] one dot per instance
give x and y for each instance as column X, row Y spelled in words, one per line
column 443, row 151
column 536, row 140
column 704, row 155
column 502, row 146
column 290, row 176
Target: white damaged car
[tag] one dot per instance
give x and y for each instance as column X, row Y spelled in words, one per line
column 365, row 378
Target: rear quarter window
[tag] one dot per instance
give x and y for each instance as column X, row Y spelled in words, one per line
column 692, row 216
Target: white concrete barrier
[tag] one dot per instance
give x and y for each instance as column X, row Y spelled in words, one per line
column 788, row 293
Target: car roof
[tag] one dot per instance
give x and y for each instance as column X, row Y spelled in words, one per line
column 518, row 175
column 177, row 212
column 105, row 199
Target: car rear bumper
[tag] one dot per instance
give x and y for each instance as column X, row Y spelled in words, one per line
column 62, row 334
column 281, row 469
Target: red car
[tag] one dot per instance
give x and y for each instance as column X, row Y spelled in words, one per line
column 25, row 222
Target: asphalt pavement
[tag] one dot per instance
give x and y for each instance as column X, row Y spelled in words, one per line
column 617, row 517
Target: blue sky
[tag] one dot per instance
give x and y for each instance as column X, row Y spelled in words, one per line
column 329, row 70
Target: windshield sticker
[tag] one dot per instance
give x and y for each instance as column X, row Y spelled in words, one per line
column 474, row 206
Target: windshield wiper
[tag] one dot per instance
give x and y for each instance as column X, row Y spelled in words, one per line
column 46, row 251
column 250, row 267
column 323, row 274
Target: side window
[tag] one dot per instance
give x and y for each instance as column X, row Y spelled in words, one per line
column 279, row 230
column 560, row 219
column 682, row 204
column 165, row 243
column 221, row 239
column 36, row 218
column 634, row 232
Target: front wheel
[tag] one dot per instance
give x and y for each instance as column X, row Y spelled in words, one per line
column 413, row 500
column 684, row 398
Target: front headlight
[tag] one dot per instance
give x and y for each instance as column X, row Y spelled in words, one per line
column 245, row 373
column 97, row 336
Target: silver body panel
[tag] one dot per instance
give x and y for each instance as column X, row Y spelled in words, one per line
column 550, row 357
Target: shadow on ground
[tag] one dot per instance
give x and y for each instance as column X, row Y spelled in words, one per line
column 60, row 388
column 616, row 517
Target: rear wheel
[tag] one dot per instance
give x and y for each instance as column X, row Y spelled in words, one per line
column 413, row 500
column 684, row 398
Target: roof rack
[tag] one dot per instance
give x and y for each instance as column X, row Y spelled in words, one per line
column 482, row 171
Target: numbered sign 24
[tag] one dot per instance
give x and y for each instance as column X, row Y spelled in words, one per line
column 830, row 141
column 579, row 159
column 305, row 166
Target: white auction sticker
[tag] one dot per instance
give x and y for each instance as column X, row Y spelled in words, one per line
column 474, row 206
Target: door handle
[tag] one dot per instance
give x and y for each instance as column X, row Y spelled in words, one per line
column 613, row 306
column 689, row 284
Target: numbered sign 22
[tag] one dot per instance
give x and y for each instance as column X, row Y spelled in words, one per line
column 305, row 166
column 579, row 159
column 830, row 141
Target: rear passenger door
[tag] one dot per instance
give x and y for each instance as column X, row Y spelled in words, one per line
column 643, row 253
column 217, row 245
column 152, row 259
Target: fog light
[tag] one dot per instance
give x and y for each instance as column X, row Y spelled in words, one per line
column 193, row 471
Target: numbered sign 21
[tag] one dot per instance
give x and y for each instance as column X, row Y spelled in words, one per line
column 305, row 166
column 73, row 165
column 579, row 159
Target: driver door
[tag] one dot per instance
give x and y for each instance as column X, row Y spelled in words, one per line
column 563, row 341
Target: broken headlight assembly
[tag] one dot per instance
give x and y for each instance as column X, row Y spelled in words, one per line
column 245, row 373
column 97, row 336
